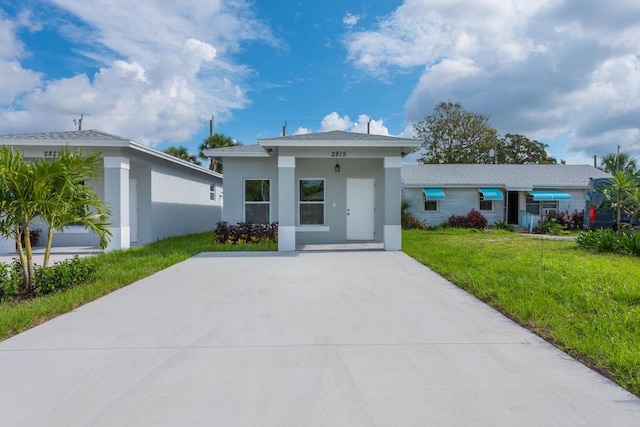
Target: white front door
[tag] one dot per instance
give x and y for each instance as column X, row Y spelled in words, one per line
column 133, row 210
column 360, row 209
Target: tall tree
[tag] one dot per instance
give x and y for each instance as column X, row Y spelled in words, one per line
column 620, row 195
column 183, row 153
column 621, row 162
column 52, row 191
column 453, row 135
column 520, row 150
column 217, row 140
column 69, row 200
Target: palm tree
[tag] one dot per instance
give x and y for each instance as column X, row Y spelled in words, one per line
column 622, row 162
column 619, row 195
column 181, row 152
column 217, row 140
column 70, row 201
column 22, row 188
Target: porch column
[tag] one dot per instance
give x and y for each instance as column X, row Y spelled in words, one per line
column 392, row 231
column 286, row 203
column 116, row 194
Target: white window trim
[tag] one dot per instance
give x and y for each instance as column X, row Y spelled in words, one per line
column 424, row 202
column 481, row 199
column 312, row 227
column 244, row 197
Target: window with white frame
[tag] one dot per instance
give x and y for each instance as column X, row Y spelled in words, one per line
column 212, row 192
column 541, row 207
column 311, row 202
column 485, row 205
column 257, row 201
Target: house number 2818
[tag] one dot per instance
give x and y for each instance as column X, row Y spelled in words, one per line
column 338, row 154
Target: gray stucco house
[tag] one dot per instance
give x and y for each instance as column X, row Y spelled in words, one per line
column 152, row 195
column 513, row 193
column 321, row 188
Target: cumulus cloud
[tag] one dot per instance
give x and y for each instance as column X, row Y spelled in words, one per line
column 545, row 69
column 301, row 131
column 333, row 121
column 160, row 69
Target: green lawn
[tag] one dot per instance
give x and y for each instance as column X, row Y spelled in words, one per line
column 586, row 304
column 115, row 270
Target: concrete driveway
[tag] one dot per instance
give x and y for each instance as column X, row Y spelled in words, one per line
column 301, row 339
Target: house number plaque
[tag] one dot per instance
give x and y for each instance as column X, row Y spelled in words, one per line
column 338, row 154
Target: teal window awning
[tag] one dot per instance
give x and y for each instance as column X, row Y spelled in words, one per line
column 550, row 195
column 491, row 193
column 434, row 193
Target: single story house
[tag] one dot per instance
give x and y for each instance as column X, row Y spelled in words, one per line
column 518, row 194
column 321, row 188
column 152, row 195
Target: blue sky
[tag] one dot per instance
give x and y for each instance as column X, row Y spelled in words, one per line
column 566, row 73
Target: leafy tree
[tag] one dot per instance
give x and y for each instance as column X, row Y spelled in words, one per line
column 453, row 135
column 181, row 152
column 70, row 201
column 622, row 162
column 217, row 140
column 520, row 150
column 620, row 195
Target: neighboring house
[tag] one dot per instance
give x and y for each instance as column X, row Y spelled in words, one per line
column 500, row 192
column 330, row 187
column 152, row 195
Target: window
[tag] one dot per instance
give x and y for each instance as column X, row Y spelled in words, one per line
column 257, row 201
column 212, row 192
column 485, row 205
column 429, row 205
column 543, row 207
column 311, row 202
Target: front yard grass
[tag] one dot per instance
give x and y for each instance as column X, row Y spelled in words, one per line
column 115, row 270
column 586, row 304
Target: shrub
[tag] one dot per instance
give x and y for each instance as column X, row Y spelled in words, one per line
column 607, row 240
column 473, row 219
column 407, row 219
column 65, row 274
column 549, row 226
column 10, row 279
column 503, row 225
column 245, row 232
column 574, row 221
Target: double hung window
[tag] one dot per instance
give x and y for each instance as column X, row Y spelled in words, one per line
column 257, row 201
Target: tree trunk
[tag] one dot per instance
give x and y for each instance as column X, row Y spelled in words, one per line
column 47, row 249
column 29, row 251
column 23, row 289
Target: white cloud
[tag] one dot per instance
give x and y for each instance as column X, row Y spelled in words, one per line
column 364, row 124
column 350, row 19
column 163, row 68
column 301, row 131
column 333, row 121
column 541, row 68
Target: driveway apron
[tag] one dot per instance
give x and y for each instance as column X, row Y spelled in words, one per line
column 348, row 338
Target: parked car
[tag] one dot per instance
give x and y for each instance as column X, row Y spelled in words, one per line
column 596, row 218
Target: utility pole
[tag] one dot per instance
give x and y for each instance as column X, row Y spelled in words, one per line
column 284, row 129
column 595, row 160
column 618, row 160
column 211, row 126
column 369, row 126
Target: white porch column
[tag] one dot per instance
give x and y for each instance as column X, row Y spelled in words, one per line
column 116, row 194
column 392, row 230
column 286, row 203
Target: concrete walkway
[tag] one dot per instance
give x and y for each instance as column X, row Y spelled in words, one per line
column 368, row 338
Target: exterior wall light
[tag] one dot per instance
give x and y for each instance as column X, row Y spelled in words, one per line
column 337, row 167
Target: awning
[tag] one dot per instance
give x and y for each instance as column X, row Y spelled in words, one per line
column 550, row 195
column 434, row 193
column 491, row 193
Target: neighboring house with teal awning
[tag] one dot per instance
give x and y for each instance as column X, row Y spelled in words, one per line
column 499, row 192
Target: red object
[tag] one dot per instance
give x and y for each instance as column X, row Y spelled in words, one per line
column 592, row 213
